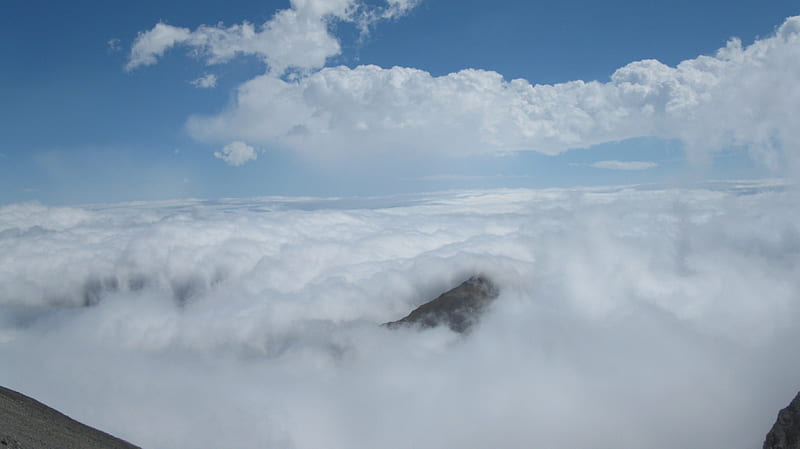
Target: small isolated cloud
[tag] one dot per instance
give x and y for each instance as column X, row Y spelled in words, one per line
column 113, row 45
column 236, row 153
column 206, row 81
column 624, row 165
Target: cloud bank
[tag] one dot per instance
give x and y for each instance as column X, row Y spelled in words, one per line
column 743, row 96
column 628, row 318
column 740, row 97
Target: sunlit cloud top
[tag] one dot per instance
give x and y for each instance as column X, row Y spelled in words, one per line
column 742, row 96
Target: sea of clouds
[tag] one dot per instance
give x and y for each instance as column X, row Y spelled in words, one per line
column 628, row 318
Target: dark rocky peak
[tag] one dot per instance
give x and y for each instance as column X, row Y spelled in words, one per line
column 785, row 433
column 459, row 308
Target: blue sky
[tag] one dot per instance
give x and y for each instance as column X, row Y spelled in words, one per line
column 78, row 127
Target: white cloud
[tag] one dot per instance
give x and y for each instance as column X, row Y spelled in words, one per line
column 742, row 96
column 236, row 153
column 399, row 8
column 394, row 9
column 208, row 80
column 654, row 318
column 624, row 165
column 298, row 37
column 151, row 45
column 463, row 177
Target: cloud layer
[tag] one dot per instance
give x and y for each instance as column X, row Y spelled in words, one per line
column 743, row 96
column 628, row 318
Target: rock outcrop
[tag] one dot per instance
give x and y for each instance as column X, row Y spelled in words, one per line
column 459, row 308
column 785, row 433
column 26, row 423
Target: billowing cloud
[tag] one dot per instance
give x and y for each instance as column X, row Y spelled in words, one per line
column 624, row 165
column 298, row 37
column 207, row 81
column 236, row 153
column 642, row 318
column 743, row 96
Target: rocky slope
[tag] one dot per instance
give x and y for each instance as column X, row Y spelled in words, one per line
column 785, row 433
column 26, row 423
column 459, row 308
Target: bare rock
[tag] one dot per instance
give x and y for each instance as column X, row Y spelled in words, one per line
column 26, row 423
column 459, row 308
column 785, row 433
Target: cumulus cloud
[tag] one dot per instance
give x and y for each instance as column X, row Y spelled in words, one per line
column 298, row 37
column 624, row 165
column 236, row 153
column 206, row 81
column 743, row 96
column 151, row 45
column 647, row 318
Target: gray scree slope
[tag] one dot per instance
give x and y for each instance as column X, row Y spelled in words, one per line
column 26, row 423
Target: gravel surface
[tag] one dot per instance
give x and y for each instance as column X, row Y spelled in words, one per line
column 26, row 423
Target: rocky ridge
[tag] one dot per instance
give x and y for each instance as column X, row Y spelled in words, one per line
column 785, row 433
column 459, row 308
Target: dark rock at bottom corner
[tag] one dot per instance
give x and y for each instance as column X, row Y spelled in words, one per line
column 785, row 433
column 26, row 423
column 459, row 308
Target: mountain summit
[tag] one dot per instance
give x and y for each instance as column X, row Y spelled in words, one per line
column 458, row 308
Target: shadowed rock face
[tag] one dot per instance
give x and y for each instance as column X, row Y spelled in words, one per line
column 785, row 433
column 26, row 423
column 458, row 308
